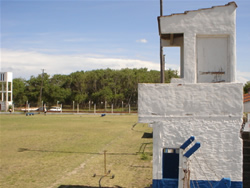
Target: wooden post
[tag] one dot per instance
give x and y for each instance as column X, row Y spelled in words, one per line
column 162, row 64
column 161, row 50
column 161, row 9
column 105, row 170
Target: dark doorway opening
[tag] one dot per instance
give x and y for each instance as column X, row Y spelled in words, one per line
column 170, row 163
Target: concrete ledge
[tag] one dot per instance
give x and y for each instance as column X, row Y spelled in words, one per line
column 185, row 100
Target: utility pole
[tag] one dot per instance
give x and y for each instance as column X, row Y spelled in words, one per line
column 162, row 59
column 41, row 89
column 161, row 9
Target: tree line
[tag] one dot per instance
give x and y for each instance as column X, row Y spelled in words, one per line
column 113, row 86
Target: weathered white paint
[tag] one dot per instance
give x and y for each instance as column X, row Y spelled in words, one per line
column 161, row 101
column 213, row 22
column 210, row 112
column 220, row 154
column 212, row 59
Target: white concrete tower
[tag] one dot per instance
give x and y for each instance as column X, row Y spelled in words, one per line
column 204, row 104
column 6, row 90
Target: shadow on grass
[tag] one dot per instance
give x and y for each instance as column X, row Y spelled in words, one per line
column 90, row 153
column 147, row 135
column 82, row 186
column 141, row 150
column 143, row 147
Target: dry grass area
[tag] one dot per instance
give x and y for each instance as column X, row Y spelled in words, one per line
column 65, row 151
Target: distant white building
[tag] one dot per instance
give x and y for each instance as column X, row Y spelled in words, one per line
column 6, row 88
column 205, row 104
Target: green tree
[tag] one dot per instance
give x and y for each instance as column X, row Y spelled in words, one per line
column 19, row 91
column 247, row 87
column 170, row 74
column 58, row 89
column 61, row 84
column 78, row 87
column 113, row 86
column 33, row 88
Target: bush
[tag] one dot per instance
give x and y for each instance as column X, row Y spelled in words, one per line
column 144, row 156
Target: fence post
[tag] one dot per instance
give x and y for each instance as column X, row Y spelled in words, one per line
column 26, row 106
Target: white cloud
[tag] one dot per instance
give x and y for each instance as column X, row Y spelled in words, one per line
column 26, row 63
column 79, row 40
column 142, row 41
column 243, row 77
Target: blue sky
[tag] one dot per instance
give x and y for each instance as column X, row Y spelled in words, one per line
column 64, row 36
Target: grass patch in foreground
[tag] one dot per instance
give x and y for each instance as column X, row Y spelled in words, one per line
column 56, row 150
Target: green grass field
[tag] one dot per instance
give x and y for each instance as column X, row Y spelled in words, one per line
column 64, row 151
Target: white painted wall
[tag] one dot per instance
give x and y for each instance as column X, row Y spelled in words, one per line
column 212, row 22
column 210, row 112
column 247, row 107
column 247, row 124
column 220, row 154
column 163, row 101
column 212, row 59
column 6, row 76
